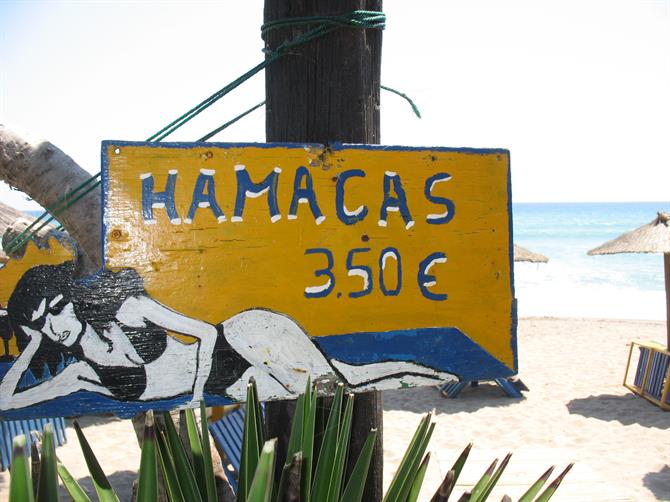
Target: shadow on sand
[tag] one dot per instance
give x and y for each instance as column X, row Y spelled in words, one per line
column 659, row 483
column 425, row 399
column 627, row 410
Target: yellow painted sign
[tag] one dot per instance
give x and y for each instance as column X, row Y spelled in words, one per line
column 353, row 239
column 377, row 267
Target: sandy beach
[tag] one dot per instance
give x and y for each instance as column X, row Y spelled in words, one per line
column 576, row 411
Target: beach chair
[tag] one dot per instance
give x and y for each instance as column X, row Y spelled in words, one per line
column 9, row 429
column 227, row 433
column 511, row 386
column 651, row 379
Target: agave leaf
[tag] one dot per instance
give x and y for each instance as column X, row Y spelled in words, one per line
column 536, row 487
column 261, row 486
column 323, row 474
column 20, row 482
column 449, row 483
column 75, row 490
column 479, row 488
column 414, row 465
column 210, row 483
column 460, row 462
column 289, row 485
column 309, row 422
column 251, row 445
column 356, row 484
column 35, row 461
column 185, row 475
column 293, row 446
column 443, row 491
column 496, row 476
column 196, row 452
column 551, row 489
column 394, row 489
column 47, row 490
column 342, row 451
column 169, row 470
column 147, row 489
column 418, row 480
column 260, row 427
column 465, row 497
column 295, row 439
column 100, row 481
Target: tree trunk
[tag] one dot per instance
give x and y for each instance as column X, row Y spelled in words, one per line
column 326, row 91
column 45, row 173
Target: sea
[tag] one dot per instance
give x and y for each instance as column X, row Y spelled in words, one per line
column 573, row 284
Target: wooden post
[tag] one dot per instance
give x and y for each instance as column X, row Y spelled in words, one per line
column 325, row 91
column 666, row 266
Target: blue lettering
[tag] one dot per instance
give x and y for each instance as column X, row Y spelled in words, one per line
column 362, row 271
column 446, row 216
column 304, row 194
column 202, row 198
column 397, row 203
column 426, row 281
column 165, row 199
column 384, row 256
column 325, row 289
column 247, row 188
column 345, row 216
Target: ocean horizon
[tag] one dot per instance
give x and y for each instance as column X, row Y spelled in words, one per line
column 573, row 284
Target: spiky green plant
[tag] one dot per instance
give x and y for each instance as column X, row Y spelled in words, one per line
column 322, row 479
column 188, row 473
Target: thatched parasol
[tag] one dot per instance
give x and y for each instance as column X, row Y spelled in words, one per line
column 522, row 254
column 653, row 237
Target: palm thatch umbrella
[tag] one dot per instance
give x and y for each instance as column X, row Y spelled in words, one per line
column 522, row 254
column 654, row 237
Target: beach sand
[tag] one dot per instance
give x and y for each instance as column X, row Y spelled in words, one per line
column 576, row 411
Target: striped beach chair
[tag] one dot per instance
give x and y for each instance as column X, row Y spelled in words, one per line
column 9, row 429
column 227, row 433
column 651, row 378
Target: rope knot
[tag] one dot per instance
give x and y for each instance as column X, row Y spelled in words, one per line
column 363, row 19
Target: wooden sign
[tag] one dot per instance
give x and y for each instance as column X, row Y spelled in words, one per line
column 380, row 267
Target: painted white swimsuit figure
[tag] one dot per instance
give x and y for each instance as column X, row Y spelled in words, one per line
column 106, row 335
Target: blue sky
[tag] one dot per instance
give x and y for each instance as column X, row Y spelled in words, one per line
column 578, row 91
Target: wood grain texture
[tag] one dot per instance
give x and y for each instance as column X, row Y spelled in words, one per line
column 327, row 90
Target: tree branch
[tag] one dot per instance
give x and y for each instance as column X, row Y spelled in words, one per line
column 45, row 173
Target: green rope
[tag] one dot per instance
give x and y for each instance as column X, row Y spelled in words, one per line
column 24, row 237
column 326, row 24
column 231, row 122
column 415, row 109
column 207, row 136
column 61, row 204
column 358, row 19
